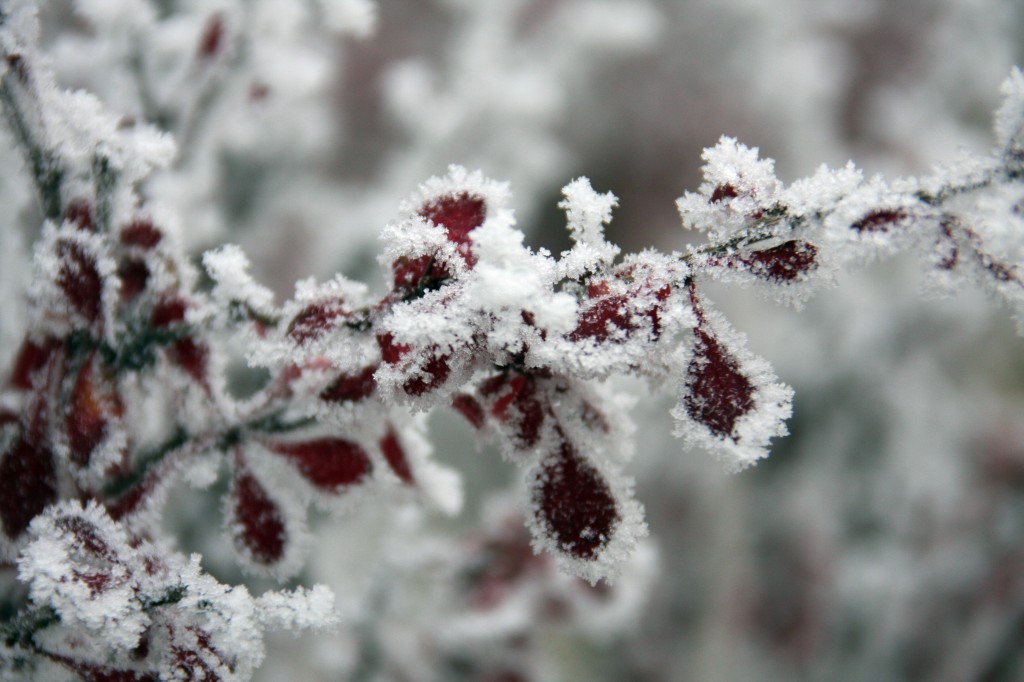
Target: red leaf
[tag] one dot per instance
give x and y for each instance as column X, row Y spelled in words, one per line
column 142, row 233
column 459, row 214
column 470, row 408
column 30, row 359
column 79, row 213
column 574, row 503
column 328, row 463
column 435, row 373
column 395, row 456
column 28, row 483
column 351, row 387
column 782, row 263
column 316, row 318
column 718, row 393
column 603, row 317
column 79, row 279
column 259, row 525
column 880, row 220
column 93, row 405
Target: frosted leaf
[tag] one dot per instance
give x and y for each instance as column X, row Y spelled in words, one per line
column 94, row 436
column 330, row 464
column 583, row 512
column 587, row 212
column 987, row 248
column 28, row 467
column 729, row 401
column 789, row 271
column 268, row 529
column 1009, row 119
column 875, row 220
column 78, row 563
column 321, row 324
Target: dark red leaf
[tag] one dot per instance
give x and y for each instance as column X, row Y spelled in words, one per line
column 134, row 275
column 395, row 455
column 470, row 408
column 31, row 358
column 718, row 394
column 351, row 387
column 602, row 317
column 94, row 403
column 142, row 233
column 259, row 525
column 435, row 373
column 575, row 504
column 723, row 192
column 328, row 463
column 782, row 263
column 880, row 220
column 191, row 356
column 170, row 309
column 315, row 319
column 459, row 214
column 79, row 279
column 28, row 483
column 212, row 40
column 79, row 213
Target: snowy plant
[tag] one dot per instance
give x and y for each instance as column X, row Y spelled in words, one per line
column 124, row 384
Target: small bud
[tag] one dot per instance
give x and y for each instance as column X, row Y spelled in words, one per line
column 782, row 263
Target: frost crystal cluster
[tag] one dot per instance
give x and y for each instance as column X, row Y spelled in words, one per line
column 120, row 388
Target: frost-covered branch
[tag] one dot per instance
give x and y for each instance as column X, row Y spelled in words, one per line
column 120, row 388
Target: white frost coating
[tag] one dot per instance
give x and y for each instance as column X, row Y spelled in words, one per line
column 587, row 212
column 509, row 278
column 108, row 589
column 57, row 570
column 1009, row 118
column 736, row 184
column 229, row 268
column 311, row 609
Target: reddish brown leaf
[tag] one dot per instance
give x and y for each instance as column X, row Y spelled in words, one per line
column 79, row 279
column 459, row 214
column 395, row 456
column 718, row 393
column 351, row 387
column 315, row 319
column 259, row 524
column 574, row 503
column 28, row 483
column 330, row 464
